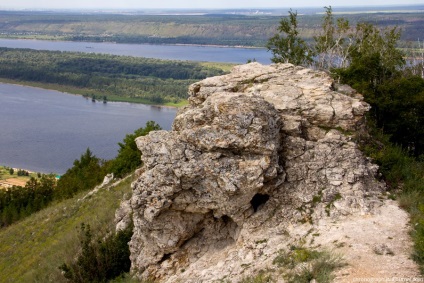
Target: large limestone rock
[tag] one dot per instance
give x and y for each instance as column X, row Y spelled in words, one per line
column 257, row 155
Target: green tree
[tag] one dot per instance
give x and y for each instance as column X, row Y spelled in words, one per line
column 334, row 44
column 376, row 71
column 11, row 171
column 379, row 46
column 85, row 173
column 287, row 46
column 46, row 189
column 400, row 104
column 100, row 260
column 19, row 202
column 129, row 156
column 375, row 68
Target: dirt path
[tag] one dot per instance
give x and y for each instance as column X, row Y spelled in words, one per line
column 377, row 248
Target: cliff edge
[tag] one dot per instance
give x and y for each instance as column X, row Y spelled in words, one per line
column 261, row 160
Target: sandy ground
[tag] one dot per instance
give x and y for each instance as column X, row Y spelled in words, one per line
column 7, row 183
column 16, row 182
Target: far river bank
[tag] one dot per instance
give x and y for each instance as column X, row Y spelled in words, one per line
column 8, row 180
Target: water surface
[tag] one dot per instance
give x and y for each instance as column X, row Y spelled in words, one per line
column 45, row 130
column 172, row 52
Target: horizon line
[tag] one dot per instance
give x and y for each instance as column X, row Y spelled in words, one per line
column 204, row 9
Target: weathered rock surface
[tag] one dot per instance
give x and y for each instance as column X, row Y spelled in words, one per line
column 259, row 154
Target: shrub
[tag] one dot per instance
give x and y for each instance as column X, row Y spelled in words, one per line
column 100, row 260
column 296, row 255
column 320, row 269
column 261, row 277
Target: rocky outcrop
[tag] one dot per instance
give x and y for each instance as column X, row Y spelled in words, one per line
column 257, row 154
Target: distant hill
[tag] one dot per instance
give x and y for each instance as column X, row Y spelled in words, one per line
column 224, row 27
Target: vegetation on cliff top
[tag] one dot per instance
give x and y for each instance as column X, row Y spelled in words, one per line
column 368, row 59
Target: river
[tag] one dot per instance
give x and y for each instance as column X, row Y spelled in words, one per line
column 45, row 131
column 172, row 52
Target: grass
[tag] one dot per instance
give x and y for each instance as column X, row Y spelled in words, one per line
column 321, row 269
column 261, row 277
column 32, row 249
column 5, row 174
column 179, row 104
column 302, row 265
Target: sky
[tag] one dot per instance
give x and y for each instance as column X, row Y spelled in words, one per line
column 194, row 4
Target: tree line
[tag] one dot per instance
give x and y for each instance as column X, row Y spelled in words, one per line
column 116, row 77
column 20, row 172
column 139, row 39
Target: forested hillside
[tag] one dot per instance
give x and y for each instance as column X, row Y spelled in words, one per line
column 105, row 77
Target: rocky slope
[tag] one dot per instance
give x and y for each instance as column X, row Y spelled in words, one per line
column 262, row 159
